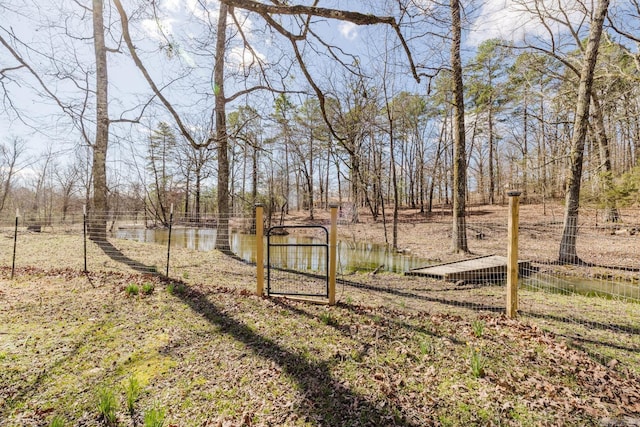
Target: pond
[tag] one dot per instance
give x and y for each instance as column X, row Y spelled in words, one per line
column 583, row 286
column 352, row 256
column 358, row 256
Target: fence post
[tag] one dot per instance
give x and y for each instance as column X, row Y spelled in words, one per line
column 15, row 242
column 84, row 235
column 512, row 254
column 169, row 239
column 333, row 240
column 259, row 251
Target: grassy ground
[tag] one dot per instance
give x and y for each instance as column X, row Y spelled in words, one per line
column 203, row 350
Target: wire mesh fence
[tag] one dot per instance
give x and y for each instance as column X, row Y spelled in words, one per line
column 128, row 242
column 594, row 306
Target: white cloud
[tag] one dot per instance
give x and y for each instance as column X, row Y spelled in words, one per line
column 158, row 29
column 172, row 5
column 348, row 30
column 510, row 19
column 242, row 59
column 186, row 57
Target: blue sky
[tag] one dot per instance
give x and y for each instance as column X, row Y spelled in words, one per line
column 181, row 20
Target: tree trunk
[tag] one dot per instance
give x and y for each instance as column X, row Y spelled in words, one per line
column 525, row 148
column 10, row 169
column 492, row 174
column 459, row 234
column 394, row 181
column 355, row 174
column 606, row 175
column 310, row 177
column 287, row 185
column 254, row 184
column 568, row 253
column 326, row 178
column 198, row 194
column 222, row 235
column 186, row 194
column 98, row 222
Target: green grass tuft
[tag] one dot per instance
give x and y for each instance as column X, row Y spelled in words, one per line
column 478, row 362
column 132, row 392
column 132, row 289
column 328, row 319
column 176, row 288
column 107, row 406
column 154, row 417
column 426, row 345
column 57, row 421
column 478, row 328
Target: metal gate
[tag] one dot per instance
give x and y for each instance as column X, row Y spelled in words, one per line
column 295, row 268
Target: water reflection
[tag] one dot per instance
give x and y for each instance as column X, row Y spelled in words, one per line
column 582, row 286
column 357, row 256
column 352, row 256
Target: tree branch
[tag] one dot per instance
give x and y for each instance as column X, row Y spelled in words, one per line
column 136, row 59
column 265, row 10
column 341, row 15
column 24, row 64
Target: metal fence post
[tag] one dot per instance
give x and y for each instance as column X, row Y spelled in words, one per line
column 84, row 234
column 512, row 254
column 259, row 250
column 15, row 241
column 333, row 240
column 169, row 239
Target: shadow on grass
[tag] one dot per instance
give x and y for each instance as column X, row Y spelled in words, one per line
column 582, row 342
column 117, row 255
column 632, row 330
column 492, row 308
column 462, row 304
column 324, row 400
column 346, row 329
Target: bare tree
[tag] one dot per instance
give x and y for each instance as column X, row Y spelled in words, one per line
column 245, row 125
column 219, row 136
column 10, row 164
column 568, row 252
column 160, row 163
column 67, row 177
column 42, row 184
column 459, row 235
column 97, row 225
column 301, row 18
column 61, row 72
column 195, row 166
column 353, row 114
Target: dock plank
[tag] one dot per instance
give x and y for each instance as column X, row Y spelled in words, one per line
column 490, row 268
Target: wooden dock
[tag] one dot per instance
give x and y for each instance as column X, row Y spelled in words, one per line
column 490, row 268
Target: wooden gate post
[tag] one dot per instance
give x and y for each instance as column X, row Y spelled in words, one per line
column 512, row 254
column 259, row 250
column 333, row 240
